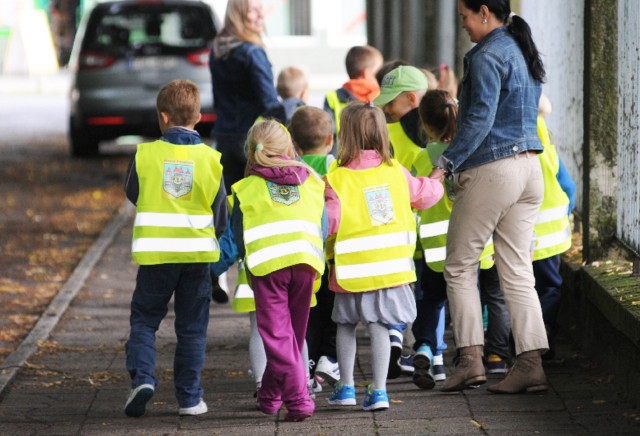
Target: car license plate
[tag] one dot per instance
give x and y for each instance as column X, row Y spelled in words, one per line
column 154, row 63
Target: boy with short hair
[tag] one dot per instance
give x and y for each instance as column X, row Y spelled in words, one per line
column 362, row 62
column 177, row 186
column 293, row 89
column 312, row 134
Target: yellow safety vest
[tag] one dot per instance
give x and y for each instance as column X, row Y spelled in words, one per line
column 376, row 238
column 434, row 224
column 552, row 228
column 282, row 224
column 404, row 149
column 336, row 106
column 174, row 220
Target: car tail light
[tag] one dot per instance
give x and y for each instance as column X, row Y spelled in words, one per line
column 95, row 60
column 200, row 57
column 208, row 118
column 105, row 121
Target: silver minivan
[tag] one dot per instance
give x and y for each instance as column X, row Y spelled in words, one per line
column 124, row 52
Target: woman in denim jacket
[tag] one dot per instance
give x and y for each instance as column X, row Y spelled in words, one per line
column 499, row 189
column 243, row 85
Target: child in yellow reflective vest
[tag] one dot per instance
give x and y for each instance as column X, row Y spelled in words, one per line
column 277, row 221
column 369, row 202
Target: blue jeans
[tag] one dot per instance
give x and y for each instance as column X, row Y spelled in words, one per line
column 155, row 285
column 548, row 286
column 431, row 296
column 497, row 337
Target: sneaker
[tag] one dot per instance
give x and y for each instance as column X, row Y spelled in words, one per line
column 395, row 337
column 137, row 401
column 198, row 409
column 496, row 364
column 406, row 364
column 422, row 371
column 439, row 373
column 375, row 399
column 328, row 369
column 314, row 387
column 220, row 288
column 343, row 395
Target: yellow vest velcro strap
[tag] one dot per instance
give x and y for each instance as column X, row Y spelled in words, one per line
column 154, row 219
column 553, row 214
column 281, row 228
column 279, row 250
column 243, row 291
column 372, row 269
column 435, row 254
column 367, row 243
column 434, row 229
column 174, row 245
column 552, row 239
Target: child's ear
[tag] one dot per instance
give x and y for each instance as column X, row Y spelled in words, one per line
column 165, row 118
column 329, row 141
column 198, row 120
column 413, row 98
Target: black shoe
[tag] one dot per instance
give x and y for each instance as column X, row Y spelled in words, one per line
column 217, row 293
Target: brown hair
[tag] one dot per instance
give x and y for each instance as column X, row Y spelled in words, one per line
column 361, row 57
column 269, row 145
column 180, row 99
column 438, row 112
column 291, row 82
column 310, row 127
column 234, row 23
column 362, row 127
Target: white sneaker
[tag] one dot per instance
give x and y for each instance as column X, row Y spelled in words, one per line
column 198, row 409
column 329, row 370
column 137, row 400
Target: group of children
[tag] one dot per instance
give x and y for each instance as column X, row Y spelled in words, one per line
column 336, row 223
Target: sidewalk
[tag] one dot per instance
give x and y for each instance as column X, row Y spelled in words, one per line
column 76, row 384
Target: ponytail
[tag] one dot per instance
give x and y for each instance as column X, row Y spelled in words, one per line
column 522, row 33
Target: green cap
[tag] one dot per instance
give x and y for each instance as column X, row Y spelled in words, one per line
column 404, row 78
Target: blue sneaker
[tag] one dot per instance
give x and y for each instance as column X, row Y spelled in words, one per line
column 439, row 373
column 406, row 365
column 343, row 395
column 422, row 370
column 375, row 399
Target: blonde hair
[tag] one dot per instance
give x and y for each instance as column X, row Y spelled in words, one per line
column 292, row 82
column 361, row 57
column 269, row 145
column 234, row 23
column 180, row 100
column 362, row 127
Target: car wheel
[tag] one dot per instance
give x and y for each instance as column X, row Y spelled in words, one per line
column 82, row 142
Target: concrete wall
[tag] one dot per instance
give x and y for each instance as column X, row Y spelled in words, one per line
column 557, row 29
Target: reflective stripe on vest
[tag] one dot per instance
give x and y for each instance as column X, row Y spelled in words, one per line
column 174, row 220
column 281, row 230
column 552, row 229
column 404, row 149
column 243, row 297
column 376, row 238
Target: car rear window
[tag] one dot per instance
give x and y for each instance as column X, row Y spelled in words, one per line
column 149, row 29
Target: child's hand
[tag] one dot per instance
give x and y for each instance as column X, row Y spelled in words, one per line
column 437, row 174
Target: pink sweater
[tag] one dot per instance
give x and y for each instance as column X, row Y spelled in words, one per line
column 423, row 192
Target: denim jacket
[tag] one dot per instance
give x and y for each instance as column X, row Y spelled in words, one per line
column 498, row 108
column 243, row 89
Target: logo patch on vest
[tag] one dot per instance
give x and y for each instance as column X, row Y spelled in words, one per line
column 178, row 177
column 285, row 194
column 379, row 203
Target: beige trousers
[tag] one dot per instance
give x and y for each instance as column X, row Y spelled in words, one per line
column 500, row 200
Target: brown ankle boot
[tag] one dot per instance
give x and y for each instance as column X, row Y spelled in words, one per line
column 526, row 375
column 469, row 371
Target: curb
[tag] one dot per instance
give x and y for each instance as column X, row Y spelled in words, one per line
column 54, row 311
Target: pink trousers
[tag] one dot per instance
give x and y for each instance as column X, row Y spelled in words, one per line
column 282, row 311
